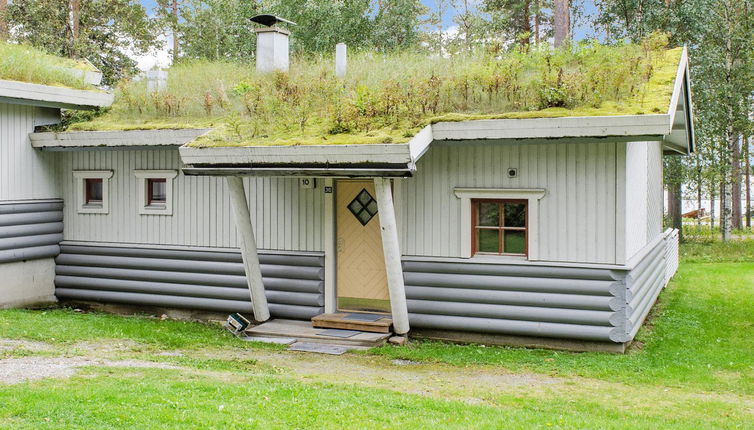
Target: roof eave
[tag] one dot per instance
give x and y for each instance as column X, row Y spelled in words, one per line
column 16, row 92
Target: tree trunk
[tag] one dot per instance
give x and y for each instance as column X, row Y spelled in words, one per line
column 726, row 210
column 562, row 21
column 712, row 208
column 747, row 175
column 675, row 205
column 175, row 30
column 699, row 198
column 3, row 21
column 735, row 171
column 537, row 20
column 75, row 6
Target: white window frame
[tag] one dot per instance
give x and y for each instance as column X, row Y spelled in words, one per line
column 144, row 207
column 80, row 177
column 531, row 195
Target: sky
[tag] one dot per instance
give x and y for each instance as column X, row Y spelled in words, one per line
column 161, row 58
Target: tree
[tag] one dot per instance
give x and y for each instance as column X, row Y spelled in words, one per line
column 324, row 23
column 107, row 32
column 396, row 24
column 511, row 19
column 562, row 21
column 212, row 29
column 3, row 21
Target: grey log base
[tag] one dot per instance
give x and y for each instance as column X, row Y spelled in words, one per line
column 200, row 280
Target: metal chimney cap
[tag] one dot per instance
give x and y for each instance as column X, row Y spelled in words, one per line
column 269, row 20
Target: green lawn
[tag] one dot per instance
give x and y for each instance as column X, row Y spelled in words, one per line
column 693, row 368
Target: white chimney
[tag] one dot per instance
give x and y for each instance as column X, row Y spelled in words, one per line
column 341, row 60
column 272, row 49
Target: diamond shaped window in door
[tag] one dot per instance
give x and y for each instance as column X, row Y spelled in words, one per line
column 363, row 207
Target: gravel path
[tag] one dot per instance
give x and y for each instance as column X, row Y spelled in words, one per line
column 17, row 370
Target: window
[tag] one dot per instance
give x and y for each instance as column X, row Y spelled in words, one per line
column 496, row 230
column 156, row 191
column 92, row 190
column 499, row 227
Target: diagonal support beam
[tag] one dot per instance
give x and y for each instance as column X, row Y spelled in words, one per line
column 248, row 248
column 392, row 253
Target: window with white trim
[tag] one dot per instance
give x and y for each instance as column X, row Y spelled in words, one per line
column 500, row 227
column 92, row 191
column 499, row 222
column 156, row 191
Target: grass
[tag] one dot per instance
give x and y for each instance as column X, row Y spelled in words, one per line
column 692, row 368
column 26, row 64
column 388, row 97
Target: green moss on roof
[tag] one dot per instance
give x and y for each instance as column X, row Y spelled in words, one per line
column 387, row 98
column 26, row 64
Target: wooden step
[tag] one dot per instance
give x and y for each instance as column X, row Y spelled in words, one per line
column 303, row 330
column 342, row 321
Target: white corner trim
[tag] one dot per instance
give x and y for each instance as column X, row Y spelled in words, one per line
column 532, row 195
column 142, row 176
column 330, row 251
column 79, row 176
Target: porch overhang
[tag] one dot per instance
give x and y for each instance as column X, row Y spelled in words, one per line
column 114, row 140
column 349, row 161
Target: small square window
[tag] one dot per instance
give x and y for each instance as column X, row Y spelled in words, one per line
column 156, row 191
column 92, row 190
column 500, row 227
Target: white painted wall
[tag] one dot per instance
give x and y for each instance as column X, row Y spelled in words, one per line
column 285, row 215
column 644, row 194
column 637, row 160
column 27, row 283
column 25, row 174
column 581, row 213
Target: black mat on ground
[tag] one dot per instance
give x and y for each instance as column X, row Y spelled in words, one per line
column 364, row 317
column 334, row 332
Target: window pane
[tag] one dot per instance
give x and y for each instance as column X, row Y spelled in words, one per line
column 93, row 190
column 515, row 215
column 157, row 191
column 489, row 214
column 488, row 240
column 515, row 242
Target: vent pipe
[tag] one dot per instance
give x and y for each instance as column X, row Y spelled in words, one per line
column 272, row 43
column 341, row 60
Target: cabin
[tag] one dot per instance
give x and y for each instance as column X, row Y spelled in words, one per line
column 534, row 228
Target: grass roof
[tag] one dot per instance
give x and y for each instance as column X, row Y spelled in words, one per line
column 26, row 64
column 387, row 98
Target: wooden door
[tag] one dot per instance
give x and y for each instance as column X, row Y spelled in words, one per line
column 361, row 278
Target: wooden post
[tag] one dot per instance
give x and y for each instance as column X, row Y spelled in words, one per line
column 248, row 248
column 392, row 252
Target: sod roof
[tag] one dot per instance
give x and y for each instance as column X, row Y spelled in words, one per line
column 388, row 98
column 23, row 63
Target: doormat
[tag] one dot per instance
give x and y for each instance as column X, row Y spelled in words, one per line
column 334, row 332
column 364, row 317
column 321, row 348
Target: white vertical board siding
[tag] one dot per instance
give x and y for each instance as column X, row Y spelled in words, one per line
column 655, row 190
column 25, row 173
column 577, row 214
column 644, row 194
column 637, row 158
column 285, row 216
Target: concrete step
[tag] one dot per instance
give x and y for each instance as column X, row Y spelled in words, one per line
column 354, row 321
column 303, row 331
